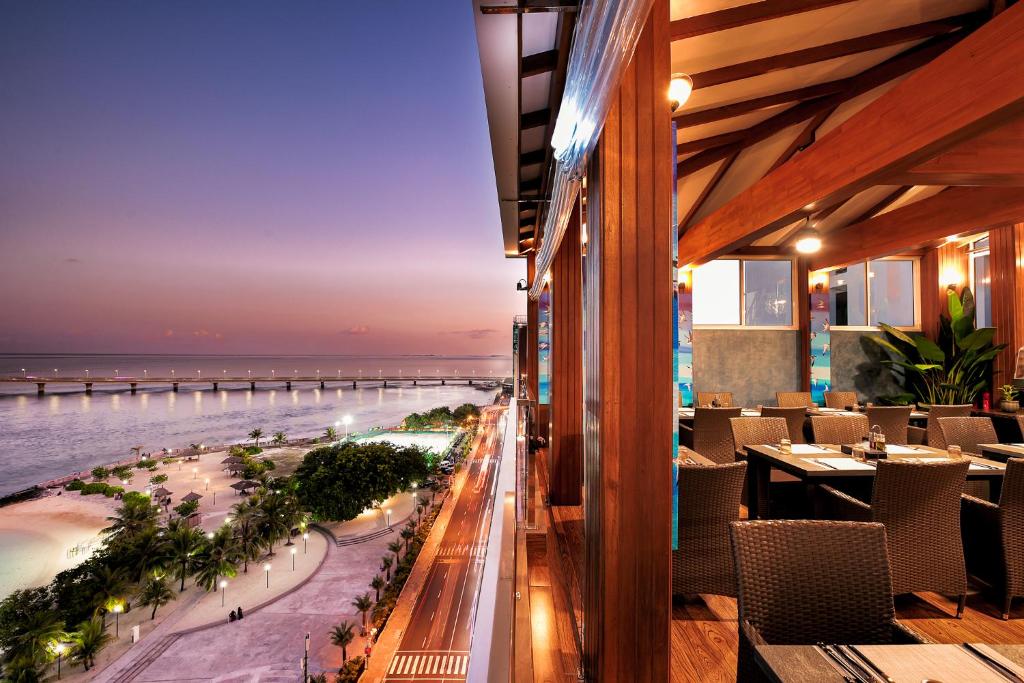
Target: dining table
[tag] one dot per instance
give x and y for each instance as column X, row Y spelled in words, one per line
column 828, row 464
column 935, row 663
column 1002, row 451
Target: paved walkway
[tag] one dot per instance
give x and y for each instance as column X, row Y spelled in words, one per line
column 267, row 645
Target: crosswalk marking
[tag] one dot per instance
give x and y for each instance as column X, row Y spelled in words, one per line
column 462, row 550
column 424, row 664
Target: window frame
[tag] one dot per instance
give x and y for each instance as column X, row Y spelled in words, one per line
column 794, row 296
column 916, row 276
column 974, row 252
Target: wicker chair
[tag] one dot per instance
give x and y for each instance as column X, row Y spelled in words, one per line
column 935, row 438
column 967, row 432
column 840, row 399
column 993, row 536
column 795, row 420
column 894, row 422
column 804, row 582
column 839, row 429
column 706, row 399
column 711, row 434
column 919, row 504
column 709, row 498
column 1020, row 425
column 793, row 399
column 747, row 431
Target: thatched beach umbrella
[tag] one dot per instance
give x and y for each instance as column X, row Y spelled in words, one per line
column 161, row 492
column 236, row 468
column 231, row 460
column 244, row 485
column 191, row 496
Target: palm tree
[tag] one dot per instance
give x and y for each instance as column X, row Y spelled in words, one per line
column 219, row 557
column 111, row 585
column 363, row 604
column 342, row 636
column 279, row 438
column 245, row 518
column 406, row 535
column 274, row 521
column 376, row 584
column 385, row 565
column 33, row 636
column 132, row 517
column 183, row 546
column 318, row 678
column 331, row 434
column 421, row 505
column 90, row 638
column 395, row 547
column 156, row 593
column 256, row 435
column 148, row 551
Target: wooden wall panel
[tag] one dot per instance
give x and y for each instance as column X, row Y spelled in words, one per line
column 566, row 412
column 930, row 293
column 1006, row 249
column 532, row 320
column 628, row 389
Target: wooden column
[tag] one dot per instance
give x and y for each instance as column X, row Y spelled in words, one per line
column 532, row 318
column 803, row 312
column 940, row 267
column 628, row 406
column 566, row 416
column 1006, row 258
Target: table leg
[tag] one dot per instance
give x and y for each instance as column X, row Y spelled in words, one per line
column 758, row 479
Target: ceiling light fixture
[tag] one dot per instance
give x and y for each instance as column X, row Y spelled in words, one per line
column 679, row 89
column 808, row 241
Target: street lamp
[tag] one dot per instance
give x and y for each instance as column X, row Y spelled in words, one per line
column 266, row 570
column 389, row 517
column 223, row 585
column 195, row 470
column 58, row 649
column 293, row 558
column 118, row 608
column 207, row 482
column 347, row 420
column 305, row 540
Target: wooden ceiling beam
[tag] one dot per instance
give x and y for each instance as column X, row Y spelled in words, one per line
column 994, row 158
column 975, row 86
column 803, row 140
column 728, row 111
column 704, row 193
column 539, row 63
column 752, row 13
column 534, row 119
column 842, row 48
column 953, row 211
column 532, row 157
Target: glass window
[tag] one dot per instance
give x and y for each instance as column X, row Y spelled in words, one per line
column 982, row 288
column 767, row 293
column 846, row 291
column 716, row 293
column 891, row 292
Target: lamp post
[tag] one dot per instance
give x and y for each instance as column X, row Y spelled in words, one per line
column 389, row 517
column 347, row 420
column 305, row 540
column 223, row 592
column 207, row 482
column 305, row 661
column 293, row 559
column 195, row 471
column 25, row 372
column 266, row 570
column 58, row 649
column 118, row 608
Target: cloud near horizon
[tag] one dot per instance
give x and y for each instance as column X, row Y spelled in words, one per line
column 473, row 334
column 357, row 331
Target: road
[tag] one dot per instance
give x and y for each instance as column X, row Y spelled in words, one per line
column 435, row 646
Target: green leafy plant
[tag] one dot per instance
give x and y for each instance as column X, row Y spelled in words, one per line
column 953, row 370
column 186, row 508
column 1009, row 392
column 100, row 473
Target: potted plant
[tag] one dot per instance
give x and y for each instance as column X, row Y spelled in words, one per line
column 1010, row 403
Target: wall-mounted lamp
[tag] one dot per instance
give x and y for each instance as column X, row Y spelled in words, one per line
column 679, row 89
column 547, row 277
column 808, row 241
column 818, row 280
column 683, row 276
column 951, row 277
column 522, row 286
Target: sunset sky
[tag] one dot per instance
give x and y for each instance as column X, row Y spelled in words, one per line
column 298, row 177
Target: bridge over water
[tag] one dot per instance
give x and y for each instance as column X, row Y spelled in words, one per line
column 133, row 383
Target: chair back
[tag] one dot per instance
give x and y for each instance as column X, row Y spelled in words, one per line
column 753, row 431
column 892, row 420
column 1011, row 513
column 792, row 399
column 709, row 499
column 712, row 435
column 840, row 399
column 706, row 399
column 919, row 504
column 967, row 432
column 803, row 582
column 1020, row 425
column 935, row 438
column 839, row 429
column 795, row 420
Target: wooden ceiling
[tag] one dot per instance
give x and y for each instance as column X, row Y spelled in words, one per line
column 773, row 77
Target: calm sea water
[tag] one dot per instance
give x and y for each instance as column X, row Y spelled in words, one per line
column 67, row 430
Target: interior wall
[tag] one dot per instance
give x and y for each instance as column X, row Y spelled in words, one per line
column 753, row 364
column 856, row 366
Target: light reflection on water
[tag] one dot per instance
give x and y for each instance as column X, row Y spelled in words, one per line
column 48, row 437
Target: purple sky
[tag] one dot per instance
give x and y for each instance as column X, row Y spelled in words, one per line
column 247, row 177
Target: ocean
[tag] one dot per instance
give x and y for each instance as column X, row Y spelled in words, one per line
column 67, row 430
